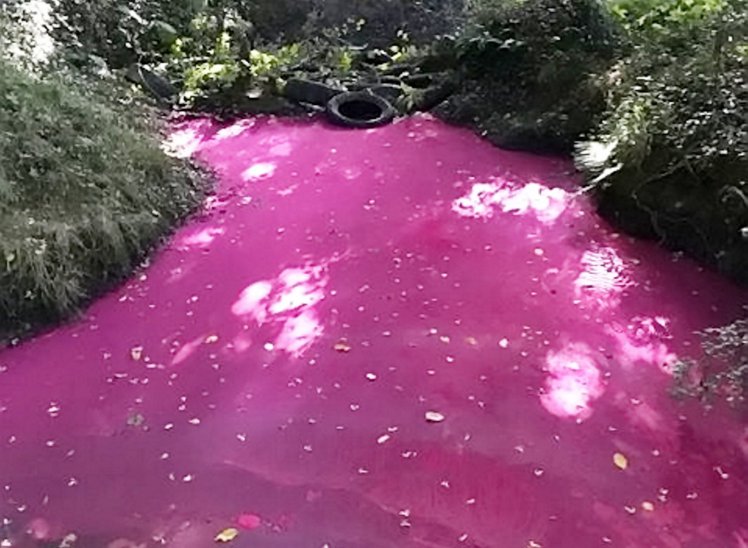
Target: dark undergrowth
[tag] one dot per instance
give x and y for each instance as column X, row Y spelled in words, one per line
column 532, row 71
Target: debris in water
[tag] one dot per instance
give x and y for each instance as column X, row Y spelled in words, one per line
column 227, row 535
column 342, row 346
column 136, row 352
column 620, row 460
column 434, row 416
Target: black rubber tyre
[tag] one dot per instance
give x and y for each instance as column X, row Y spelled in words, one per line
column 360, row 109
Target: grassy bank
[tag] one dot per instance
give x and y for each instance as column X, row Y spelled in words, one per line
column 85, row 192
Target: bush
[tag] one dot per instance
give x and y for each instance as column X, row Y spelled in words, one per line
column 530, row 70
column 670, row 159
column 670, row 23
column 85, row 192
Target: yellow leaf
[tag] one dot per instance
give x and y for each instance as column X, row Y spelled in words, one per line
column 620, row 460
column 342, row 346
column 434, row 416
column 227, row 535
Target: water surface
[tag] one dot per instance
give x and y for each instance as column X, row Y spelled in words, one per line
column 401, row 337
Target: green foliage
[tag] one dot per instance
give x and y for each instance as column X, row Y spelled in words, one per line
column 85, row 191
column 530, row 70
column 211, row 50
column 669, row 22
column 676, row 143
column 722, row 372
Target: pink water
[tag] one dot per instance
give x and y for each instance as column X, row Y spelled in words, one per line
column 389, row 338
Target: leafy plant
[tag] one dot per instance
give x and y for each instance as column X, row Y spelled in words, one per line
column 669, row 22
column 676, row 143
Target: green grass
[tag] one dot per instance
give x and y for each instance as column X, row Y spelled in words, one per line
column 85, row 193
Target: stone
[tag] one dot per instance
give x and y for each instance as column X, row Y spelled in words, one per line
column 307, row 91
column 153, row 83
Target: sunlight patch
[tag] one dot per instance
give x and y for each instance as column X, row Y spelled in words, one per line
column 289, row 301
column 547, row 204
column 643, row 340
column 604, row 277
column 202, row 237
column 574, row 382
column 234, row 130
column 183, row 143
column 260, row 170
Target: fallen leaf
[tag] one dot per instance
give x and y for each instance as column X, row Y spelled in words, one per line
column 227, row 535
column 135, row 419
column 472, row 341
column 249, row 521
column 648, row 506
column 342, row 346
column 136, row 352
column 620, row 460
column 434, row 416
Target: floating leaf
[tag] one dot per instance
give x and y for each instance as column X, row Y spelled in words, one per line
column 620, row 460
column 135, row 419
column 227, row 535
column 342, row 346
column 136, row 352
column 434, row 416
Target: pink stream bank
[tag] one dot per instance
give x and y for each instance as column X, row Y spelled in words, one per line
column 400, row 337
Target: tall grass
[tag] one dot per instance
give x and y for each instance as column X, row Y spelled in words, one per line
column 85, row 192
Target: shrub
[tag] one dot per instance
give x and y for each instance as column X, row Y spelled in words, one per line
column 530, row 70
column 672, row 23
column 85, row 192
column 670, row 159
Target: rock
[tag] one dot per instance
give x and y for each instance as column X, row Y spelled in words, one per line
column 419, row 81
column 377, row 57
column 306, row 91
column 156, row 85
column 435, row 94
